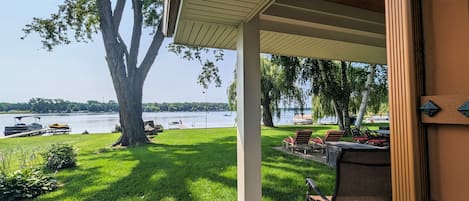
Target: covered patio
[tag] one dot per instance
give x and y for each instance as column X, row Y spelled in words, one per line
column 350, row 30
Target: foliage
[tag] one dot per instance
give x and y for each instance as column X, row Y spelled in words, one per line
column 357, row 74
column 59, row 156
column 277, row 86
column 25, row 183
column 210, row 70
column 4, row 107
column 335, row 86
column 23, row 159
column 184, row 107
column 78, row 21
column 321, row 107
column 231, row 91
column 43, row 105
column 271, row 92
column 379, row 91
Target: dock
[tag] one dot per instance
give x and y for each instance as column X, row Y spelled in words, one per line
column 38, row 132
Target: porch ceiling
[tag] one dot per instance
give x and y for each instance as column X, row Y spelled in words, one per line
column 308, row 28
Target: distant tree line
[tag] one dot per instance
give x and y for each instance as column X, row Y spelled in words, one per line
column 43, row 105
column 184, row 107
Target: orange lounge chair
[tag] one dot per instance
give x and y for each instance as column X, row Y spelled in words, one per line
column 331, row 136
column 299, row 142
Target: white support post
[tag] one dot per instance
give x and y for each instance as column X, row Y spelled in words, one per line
column 249, row 111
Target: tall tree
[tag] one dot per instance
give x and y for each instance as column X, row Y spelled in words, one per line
column 365, row 95
column 378, row 100
column 80, row 20
column 333, row 83
column 329, row 81
column 271, row 92
column 276, row 87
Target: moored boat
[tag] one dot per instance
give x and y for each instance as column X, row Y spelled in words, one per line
column 21, row 127
column 59, row 126
column 56, row 128
column 302, row 119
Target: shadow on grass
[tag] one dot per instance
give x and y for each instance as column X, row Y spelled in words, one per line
column 202, row 171
column 288, row 172
column 162, row 172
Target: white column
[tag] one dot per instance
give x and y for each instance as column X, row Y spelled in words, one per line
column 249, row 111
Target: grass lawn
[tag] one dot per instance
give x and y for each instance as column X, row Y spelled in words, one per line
column 192, row 164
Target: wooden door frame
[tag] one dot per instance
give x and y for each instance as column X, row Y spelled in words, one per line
column 409, row 155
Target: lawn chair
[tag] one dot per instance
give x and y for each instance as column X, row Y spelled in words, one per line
column 362, row 174
column 299, row 142
column 331, row 136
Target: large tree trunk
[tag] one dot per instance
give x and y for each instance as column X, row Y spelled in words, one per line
column 346, row 120
column 127, row 76
column 130, row 115
column 365, row 97
column 339, row 114
column 345, row 98
column 267, row 113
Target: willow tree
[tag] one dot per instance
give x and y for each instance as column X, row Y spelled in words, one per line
column 329, row 81
column 333, row 83
column 276, row 88
column 81, row 20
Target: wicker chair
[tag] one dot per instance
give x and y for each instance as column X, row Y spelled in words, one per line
column 362, row 174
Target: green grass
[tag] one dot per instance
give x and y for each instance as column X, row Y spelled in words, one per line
column 193, row 164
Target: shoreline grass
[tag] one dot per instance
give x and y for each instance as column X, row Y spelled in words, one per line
column 192, row 164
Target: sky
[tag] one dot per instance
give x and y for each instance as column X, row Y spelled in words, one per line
column 78, row 72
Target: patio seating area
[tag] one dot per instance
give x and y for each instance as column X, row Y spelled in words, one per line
column 324, row 150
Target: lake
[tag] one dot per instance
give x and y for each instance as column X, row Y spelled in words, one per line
column 105, row 122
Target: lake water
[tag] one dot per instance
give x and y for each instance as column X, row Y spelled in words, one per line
column 105, row 122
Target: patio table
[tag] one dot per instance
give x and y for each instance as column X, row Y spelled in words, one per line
column 333, row 150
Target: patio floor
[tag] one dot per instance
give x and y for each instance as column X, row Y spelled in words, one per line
column 310, row 155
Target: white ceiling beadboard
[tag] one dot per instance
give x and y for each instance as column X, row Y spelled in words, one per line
column 308, row 28
column 213, row 23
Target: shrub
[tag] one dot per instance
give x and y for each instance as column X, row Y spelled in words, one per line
column 25, row 184
column 59, row 156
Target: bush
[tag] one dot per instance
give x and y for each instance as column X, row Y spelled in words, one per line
column 25, row 184
column 59, row 156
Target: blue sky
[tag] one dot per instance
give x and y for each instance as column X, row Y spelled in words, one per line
column 78, row 72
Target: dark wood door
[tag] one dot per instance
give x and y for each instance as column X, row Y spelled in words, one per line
column 446, row 43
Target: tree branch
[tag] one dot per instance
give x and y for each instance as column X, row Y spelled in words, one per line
column 106, row 24
column 136, row 35
column 118, row 10
column 152, row 51
column 113, row 54
column 117, row 18
column 123, row 45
